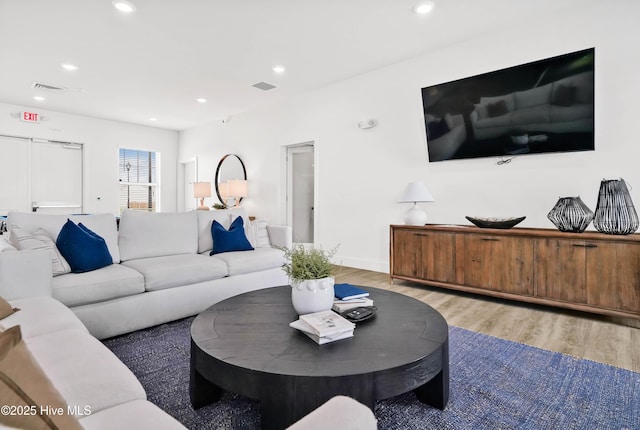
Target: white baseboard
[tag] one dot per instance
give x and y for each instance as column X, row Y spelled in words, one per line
column 359, row 263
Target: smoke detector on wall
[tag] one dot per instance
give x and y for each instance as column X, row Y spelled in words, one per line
column 368, row 123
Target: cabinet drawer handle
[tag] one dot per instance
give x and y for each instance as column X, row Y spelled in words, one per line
column 491, row 239
column 586, row 245
column 420, row 234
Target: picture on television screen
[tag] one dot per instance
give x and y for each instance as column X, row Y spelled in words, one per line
column 533, row 108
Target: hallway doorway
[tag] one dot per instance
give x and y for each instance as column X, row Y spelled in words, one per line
column 301, row 192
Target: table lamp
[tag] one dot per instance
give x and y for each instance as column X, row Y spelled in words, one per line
column 237, row 188
column 200, row 191
column 414, row 193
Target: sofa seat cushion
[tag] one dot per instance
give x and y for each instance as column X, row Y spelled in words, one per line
column 116, row 280
column 138, row 414
column 240, row 262
column 85, row 371
column 177, row 270
column 41, row 315
column 24, row 385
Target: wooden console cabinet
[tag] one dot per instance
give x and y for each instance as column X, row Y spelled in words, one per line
column 587, row 271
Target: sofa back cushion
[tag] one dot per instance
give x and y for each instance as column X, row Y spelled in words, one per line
column 155, row 234
column 224, row 217
column 103, row 225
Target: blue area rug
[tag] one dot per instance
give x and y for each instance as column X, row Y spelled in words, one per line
column 494, row 384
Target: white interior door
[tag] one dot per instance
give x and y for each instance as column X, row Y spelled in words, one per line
column 14, row 174
column 41, row 176
column 56, row 177
column 300, row 192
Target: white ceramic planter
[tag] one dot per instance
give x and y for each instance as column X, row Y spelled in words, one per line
column 312, row 295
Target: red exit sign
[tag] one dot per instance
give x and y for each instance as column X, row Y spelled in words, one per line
column 30, row 116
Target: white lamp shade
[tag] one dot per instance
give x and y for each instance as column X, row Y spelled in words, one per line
column 201, row 189
column 237, row 188
column 416, row 192
column 223, row 187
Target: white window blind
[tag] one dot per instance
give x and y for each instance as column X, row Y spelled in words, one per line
column 138, row 173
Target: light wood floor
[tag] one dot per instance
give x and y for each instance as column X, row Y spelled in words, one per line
column 613, row 341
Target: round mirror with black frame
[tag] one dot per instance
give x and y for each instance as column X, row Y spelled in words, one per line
column 230, row 167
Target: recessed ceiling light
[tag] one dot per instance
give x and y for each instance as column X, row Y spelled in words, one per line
column 153, row 119
column 423, row 8
column 70, row 67
column 278, row 68
column 39, row 98
column 201, row 100
column 124, row 6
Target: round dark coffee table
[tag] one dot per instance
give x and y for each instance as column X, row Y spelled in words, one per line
column 245, row 345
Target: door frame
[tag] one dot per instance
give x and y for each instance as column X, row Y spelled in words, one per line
column 287, row 207
column 181, row 181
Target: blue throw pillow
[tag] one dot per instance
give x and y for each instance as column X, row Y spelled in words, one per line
column 83, row 249
column 233, row 239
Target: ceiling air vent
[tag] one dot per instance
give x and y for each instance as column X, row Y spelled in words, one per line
column 265, row 86
column 46, row 87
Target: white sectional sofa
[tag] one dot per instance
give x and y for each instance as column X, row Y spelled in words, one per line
column 150, row 282
column 161, row 270
column 98, row 391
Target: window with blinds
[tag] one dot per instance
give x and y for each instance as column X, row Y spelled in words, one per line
column 138, row 175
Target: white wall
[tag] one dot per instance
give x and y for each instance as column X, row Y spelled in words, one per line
column 101, row 139
column 363, row 172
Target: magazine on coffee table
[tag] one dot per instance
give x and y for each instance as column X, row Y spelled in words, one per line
column 327, row 323
column 303, row 327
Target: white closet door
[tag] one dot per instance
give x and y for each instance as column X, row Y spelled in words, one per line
column 56, row 177
column 14, row 175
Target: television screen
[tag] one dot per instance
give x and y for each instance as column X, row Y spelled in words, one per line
column 543, row 106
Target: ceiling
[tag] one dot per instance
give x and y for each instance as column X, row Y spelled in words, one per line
column 155, row 62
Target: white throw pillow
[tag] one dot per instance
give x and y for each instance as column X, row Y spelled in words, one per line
column 40, row 239
column 260, row 234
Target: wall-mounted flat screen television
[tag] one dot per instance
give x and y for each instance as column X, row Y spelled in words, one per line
column 538, row 107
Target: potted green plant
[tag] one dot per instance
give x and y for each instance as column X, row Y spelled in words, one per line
column 311, row 275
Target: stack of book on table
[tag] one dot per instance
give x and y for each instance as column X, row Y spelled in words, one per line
column 349, row 297
column 324, row 327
